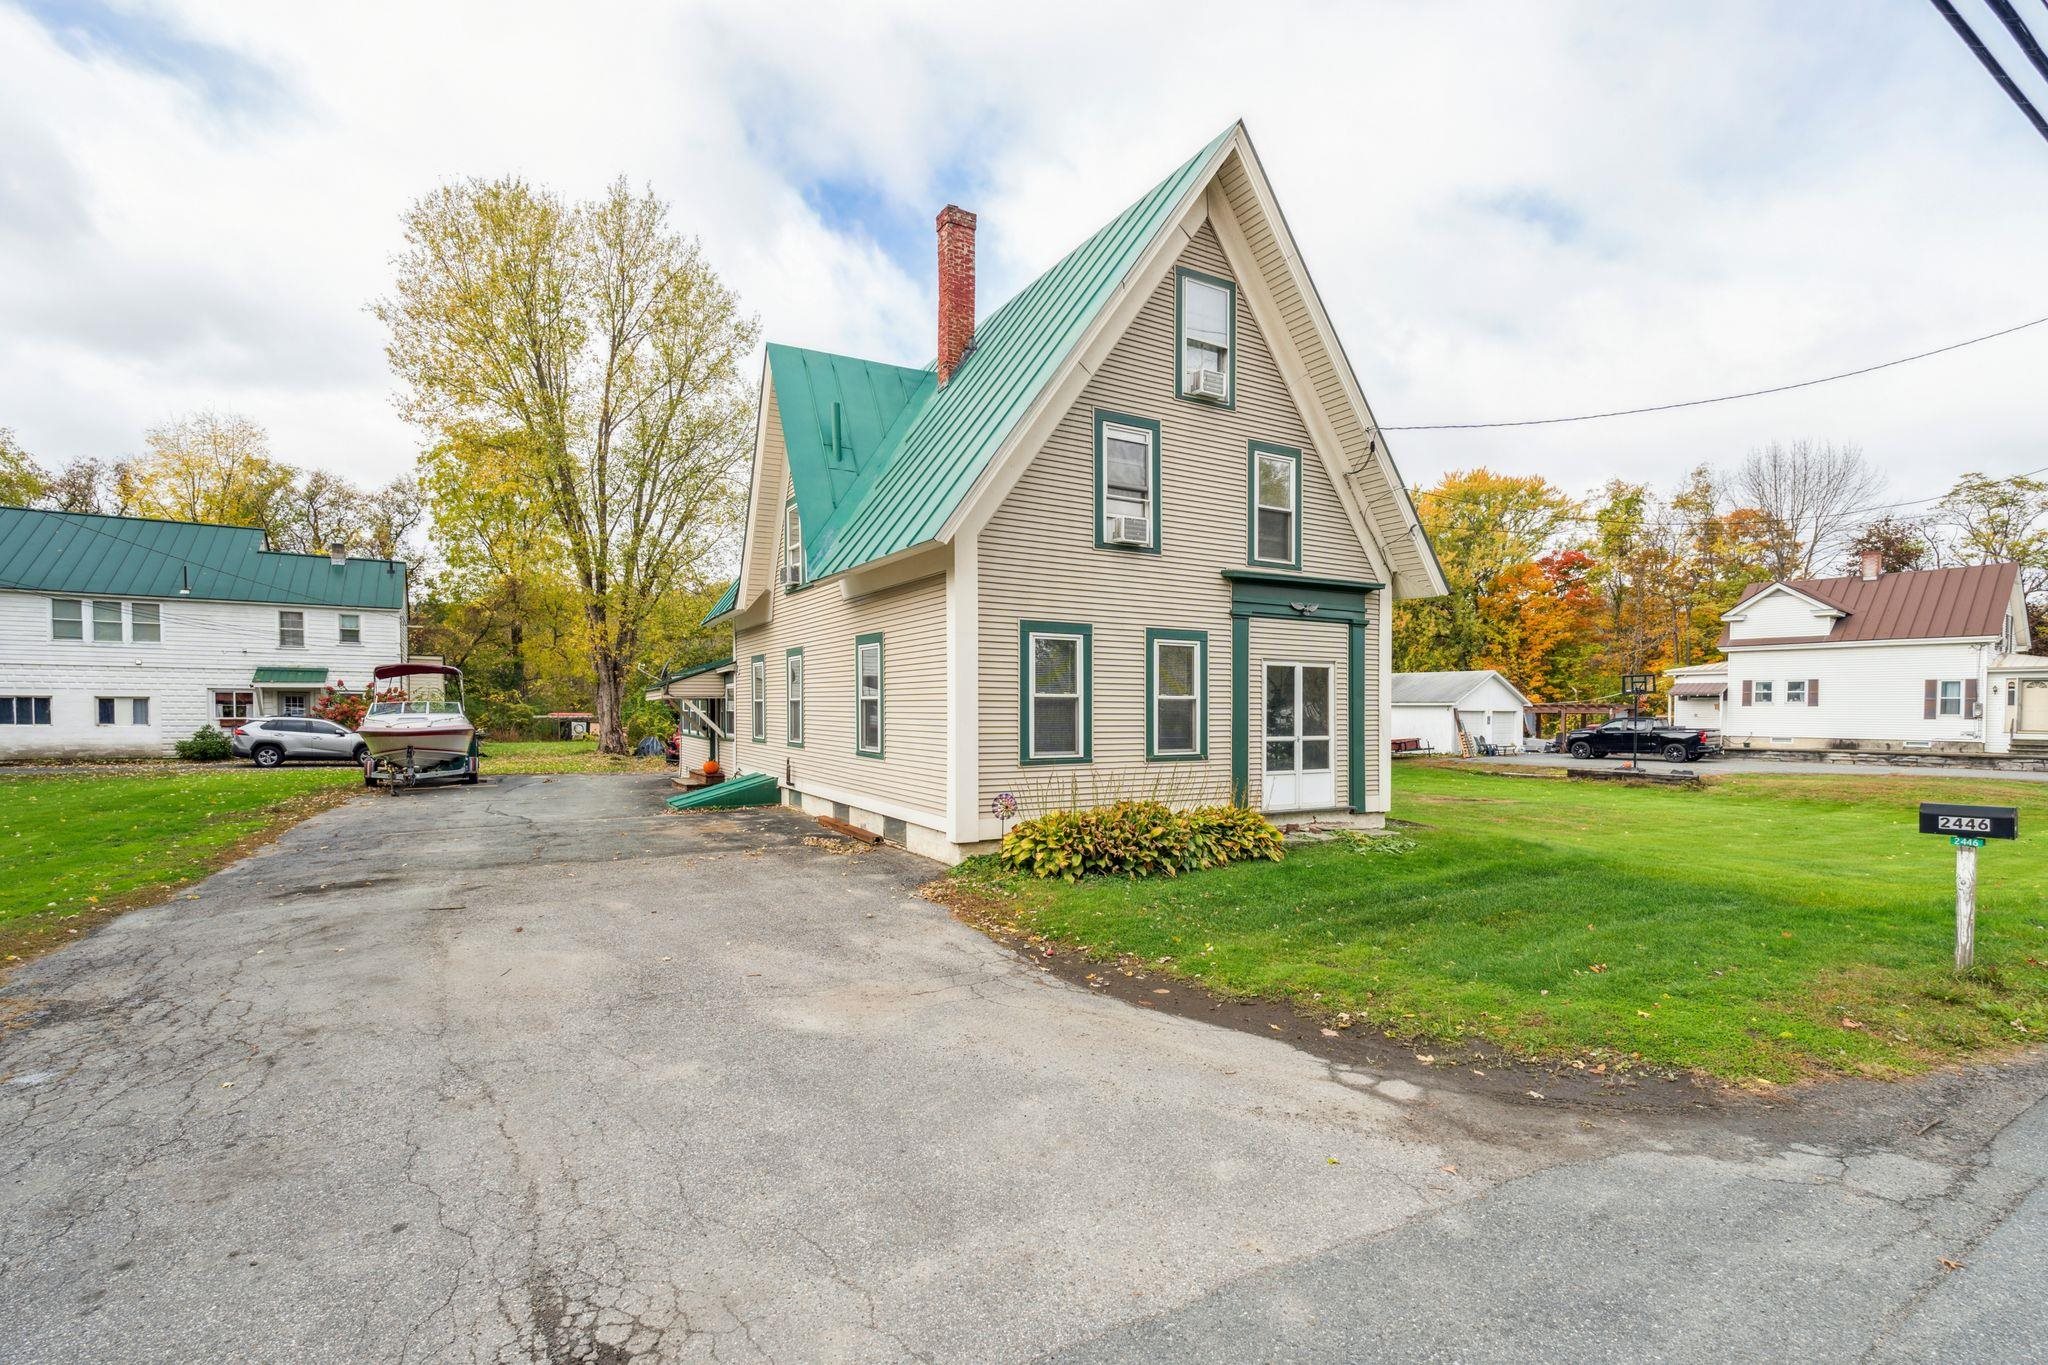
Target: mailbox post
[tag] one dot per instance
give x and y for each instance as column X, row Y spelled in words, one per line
column 1967, row 827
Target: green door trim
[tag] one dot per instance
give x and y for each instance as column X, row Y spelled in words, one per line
column 1292, row 598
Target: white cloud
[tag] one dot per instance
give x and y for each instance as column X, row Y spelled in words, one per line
column 1511, row 211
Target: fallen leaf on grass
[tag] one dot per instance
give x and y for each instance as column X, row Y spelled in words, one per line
column 1851, row 1023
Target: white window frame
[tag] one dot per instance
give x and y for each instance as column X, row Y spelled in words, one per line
column 793, row 698
column 14, row 704
column 348, row 628
column 863, row 698
column 118, row 617
column 1798, row 697
column 1079, row 696
column 758, row 698
column 1942, row 708
column 285, row 632
column 1124, row 431
column 138, row 710
column 1292, row 463
column 153, row 622
column 793, row 541
column 1761, row 694
column 1199, row 674
column 76, row 621
column 1182, row 370
column 239, row 698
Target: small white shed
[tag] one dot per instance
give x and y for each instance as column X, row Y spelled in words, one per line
column 1435, row 709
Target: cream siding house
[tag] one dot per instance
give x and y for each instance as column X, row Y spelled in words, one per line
column 1133, row 535
column 120, row 636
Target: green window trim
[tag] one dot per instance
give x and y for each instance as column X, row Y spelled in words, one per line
column 1104, row 419
column 1253, row 452
column 1154, row 637
column 757, row 698
column 1180, row 346
column 794, row 715
column 792, row 546
column 861, row 642
column 1086, row 635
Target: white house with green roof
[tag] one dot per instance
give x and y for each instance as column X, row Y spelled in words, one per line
column 1133, row 534
column 122, row 635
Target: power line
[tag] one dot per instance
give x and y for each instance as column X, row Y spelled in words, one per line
column 1991, row 63
column 1726, row 397
column 2021, row 34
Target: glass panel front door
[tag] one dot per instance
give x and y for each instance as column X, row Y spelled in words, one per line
column 1299, row 773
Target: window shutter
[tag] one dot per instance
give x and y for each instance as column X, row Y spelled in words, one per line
column 1748, row 688
column 1970, row 707
column 1927, row 711
column 1813, row 691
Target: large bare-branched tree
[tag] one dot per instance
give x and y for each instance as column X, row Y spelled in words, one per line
column 1817, row 493
column 597, row 347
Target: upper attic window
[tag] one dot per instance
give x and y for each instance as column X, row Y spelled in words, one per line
column 792, row 546
column 1205, row 309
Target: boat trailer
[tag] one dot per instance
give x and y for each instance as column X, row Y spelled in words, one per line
column 392, row 774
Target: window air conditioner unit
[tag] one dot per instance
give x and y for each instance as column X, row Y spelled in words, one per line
column 1129, row 531
column 792, row 575
column 1212, row 384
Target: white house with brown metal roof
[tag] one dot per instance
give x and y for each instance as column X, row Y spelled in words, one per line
column 1133, row 534
column 1928, row 660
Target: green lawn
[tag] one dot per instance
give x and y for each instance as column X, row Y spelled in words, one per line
column 76, row 843
column 1761, row 928
column 560, row 756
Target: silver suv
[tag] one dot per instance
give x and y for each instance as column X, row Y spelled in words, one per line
column 273, row 739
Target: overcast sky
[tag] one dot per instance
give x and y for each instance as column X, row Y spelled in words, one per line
column 1512, row 210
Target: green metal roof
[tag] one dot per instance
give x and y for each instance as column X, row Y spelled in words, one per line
column 78, row 553
column 862, row 502
column 282, row 674
column 711, row 667
column 726, row 599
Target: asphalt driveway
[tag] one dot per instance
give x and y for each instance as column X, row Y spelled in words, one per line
column 535, row 1071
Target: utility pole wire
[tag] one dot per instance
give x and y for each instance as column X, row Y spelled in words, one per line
column 1726, row 397
column 2021, row 34
column 1976, row 45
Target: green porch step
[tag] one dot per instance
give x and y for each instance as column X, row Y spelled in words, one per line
column 752, row 789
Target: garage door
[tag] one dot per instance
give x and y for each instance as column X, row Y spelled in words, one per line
column 1507, row 727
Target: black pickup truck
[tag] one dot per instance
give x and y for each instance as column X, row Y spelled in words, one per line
column 1645, row 735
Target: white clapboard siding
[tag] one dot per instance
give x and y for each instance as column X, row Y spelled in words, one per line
column 206, row 645
column 1873, row 692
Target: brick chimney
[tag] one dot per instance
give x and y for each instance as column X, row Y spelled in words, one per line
column 956, row 288
column 1872, row 563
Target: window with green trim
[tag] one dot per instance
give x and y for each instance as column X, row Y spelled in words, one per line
column 1126, row 482
column 792, row 545
column 1176, row 694
column 867, row 695
column 1054, row 686
column 758, row 698
column 793, row 697
column 1205, row 314
column 1275, row 513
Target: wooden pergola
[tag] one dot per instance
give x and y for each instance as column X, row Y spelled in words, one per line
column 1568, row 714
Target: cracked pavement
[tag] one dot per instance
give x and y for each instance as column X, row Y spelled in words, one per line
column 536, row 1071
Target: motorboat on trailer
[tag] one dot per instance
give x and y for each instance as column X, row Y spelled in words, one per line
column 418, row 734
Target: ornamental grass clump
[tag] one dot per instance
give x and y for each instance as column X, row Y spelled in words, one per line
column 1138, row 839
